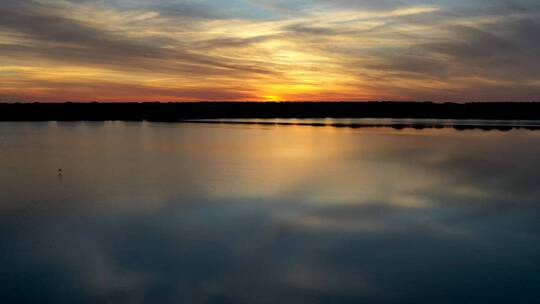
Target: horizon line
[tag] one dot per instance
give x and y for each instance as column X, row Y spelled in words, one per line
column 266, row 102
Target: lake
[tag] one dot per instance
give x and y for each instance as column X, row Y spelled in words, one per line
column 146, row 212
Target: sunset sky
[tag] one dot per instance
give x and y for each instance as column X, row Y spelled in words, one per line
column 266, row 50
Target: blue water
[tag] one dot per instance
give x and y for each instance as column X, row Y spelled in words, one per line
column 214, row 213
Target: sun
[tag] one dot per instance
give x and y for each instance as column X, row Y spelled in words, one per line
column 272, row 98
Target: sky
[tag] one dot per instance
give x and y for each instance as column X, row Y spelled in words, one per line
column 264, row 50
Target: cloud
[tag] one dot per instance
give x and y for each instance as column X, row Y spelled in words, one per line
column 290, row 49
column 64, row 39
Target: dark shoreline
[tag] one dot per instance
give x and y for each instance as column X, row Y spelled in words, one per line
column 222, row 110
column 417, row 125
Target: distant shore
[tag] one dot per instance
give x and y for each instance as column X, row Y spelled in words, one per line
column 397, row 124
column 171, row 112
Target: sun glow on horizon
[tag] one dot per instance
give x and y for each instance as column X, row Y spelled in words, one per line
column 270, row 98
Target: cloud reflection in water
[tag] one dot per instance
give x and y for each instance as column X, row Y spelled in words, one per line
column 168, row 213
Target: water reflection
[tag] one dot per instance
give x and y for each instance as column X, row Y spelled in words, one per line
column 189, row 213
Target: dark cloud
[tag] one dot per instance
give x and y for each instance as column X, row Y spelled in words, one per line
column 504, row 50
column 311, row 30
column 60, row 38
column 230, row 42
column 191, row 10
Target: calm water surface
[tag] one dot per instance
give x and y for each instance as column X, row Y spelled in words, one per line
column 196, row 213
